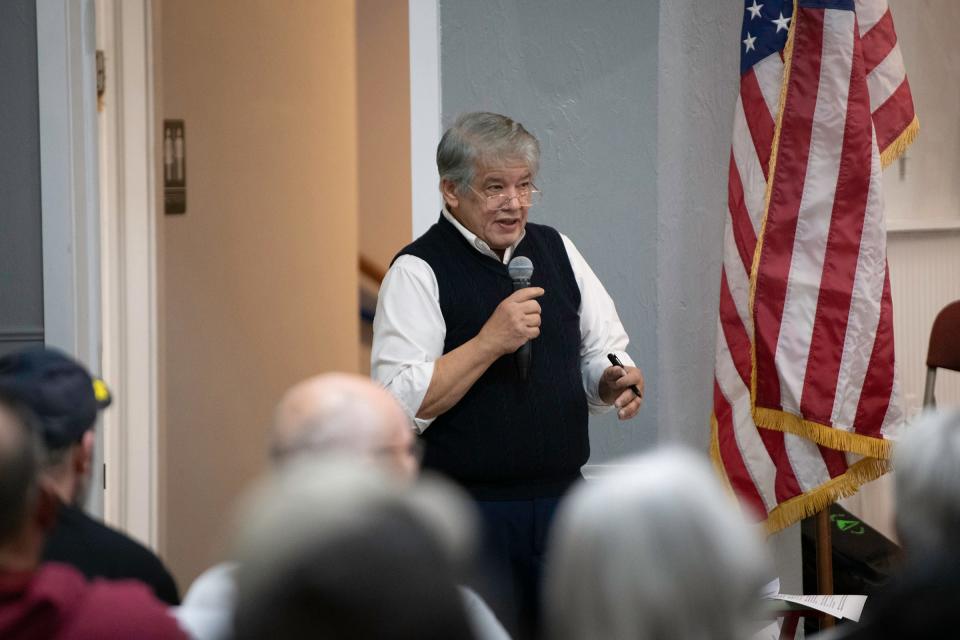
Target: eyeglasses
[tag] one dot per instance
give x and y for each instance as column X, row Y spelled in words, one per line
column 526, row 197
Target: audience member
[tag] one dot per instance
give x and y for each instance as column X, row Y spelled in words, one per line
column 54, row 601
column 921, row 601
column 331, row 549
column 66, row 399
column 344, row 415
column 653, row 551
column 338, row 412
column 927, row 485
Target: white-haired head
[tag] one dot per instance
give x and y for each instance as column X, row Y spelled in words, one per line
column 927, row 481
column 344, row 414
column 653, row 551
column 326, row 538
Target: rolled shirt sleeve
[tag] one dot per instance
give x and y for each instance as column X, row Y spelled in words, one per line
column 408, row 334
column 601, row 331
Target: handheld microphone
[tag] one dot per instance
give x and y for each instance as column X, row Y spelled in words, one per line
column 521, row 270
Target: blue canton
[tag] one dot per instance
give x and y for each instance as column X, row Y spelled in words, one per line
column 766, row 24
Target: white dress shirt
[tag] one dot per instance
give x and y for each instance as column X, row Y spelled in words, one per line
column 409, row 331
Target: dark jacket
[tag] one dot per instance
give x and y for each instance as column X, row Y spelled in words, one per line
column 98, row 551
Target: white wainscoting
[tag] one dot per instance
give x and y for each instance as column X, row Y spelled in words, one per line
column 924, row 276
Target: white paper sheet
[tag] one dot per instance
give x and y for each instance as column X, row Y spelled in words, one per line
column 837, row 606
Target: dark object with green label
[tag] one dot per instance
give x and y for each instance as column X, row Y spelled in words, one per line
column 863, row 558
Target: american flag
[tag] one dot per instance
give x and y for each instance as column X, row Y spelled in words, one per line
column 805, row 392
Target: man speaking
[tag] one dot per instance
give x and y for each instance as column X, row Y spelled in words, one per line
column 454, row 311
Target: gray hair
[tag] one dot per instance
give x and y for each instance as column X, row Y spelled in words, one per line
column 927, row 483
column 653, row 551
column 328, row 507
column 482, row 138
column 310, row 499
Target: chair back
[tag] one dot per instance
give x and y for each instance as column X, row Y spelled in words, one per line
column 944, row 349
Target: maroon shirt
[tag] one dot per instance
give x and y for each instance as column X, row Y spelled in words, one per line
column 56, row 601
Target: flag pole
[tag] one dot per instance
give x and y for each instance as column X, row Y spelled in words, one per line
column 824, row 561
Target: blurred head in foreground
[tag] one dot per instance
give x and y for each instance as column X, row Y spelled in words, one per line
column 920, row 601
column 927, row 481
column 346, row 414
column 333, row 548
column 653, row 551
column 27, row 510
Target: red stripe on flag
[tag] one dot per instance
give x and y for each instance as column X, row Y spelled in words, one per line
column 879, row 42
column 785, row 484
column 759, row 120
column 842, row 251
column 835, row 461
column 738, row 342
column 878, row 385
column 781, row 224
column 737, row 473
column 893, row 116
column 790, row 623
column 741, row 224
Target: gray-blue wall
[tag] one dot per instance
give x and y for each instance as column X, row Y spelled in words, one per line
column 698, row 72
column 582, row 77
column 21, row 256
column 699, row 68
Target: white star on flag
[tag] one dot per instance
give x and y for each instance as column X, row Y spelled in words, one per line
column 749, row 42
column 782, row 23
column 755, row 10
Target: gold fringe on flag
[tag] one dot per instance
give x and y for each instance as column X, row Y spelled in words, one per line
column 897, row 148
column 821, row 434
column 809, row 503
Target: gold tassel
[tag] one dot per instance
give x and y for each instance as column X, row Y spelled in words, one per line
column 822, row 434
column 896, row 148
column 807, row 504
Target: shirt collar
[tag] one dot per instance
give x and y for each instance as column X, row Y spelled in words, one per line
column 477, row 243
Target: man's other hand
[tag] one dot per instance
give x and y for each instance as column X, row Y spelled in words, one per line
column 615, row 389
column 515, row 321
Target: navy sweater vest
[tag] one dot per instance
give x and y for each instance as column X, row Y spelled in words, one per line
column 508, row 438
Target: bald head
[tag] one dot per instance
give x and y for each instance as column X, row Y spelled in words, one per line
column 344, row 414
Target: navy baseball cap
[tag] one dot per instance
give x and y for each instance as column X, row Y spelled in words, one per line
column 58, row 389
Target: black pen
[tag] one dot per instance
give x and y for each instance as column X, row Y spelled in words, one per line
column 615, row 361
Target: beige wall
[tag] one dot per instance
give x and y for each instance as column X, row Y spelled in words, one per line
column 260, row 274
column 924, row 187
column 383, row 112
